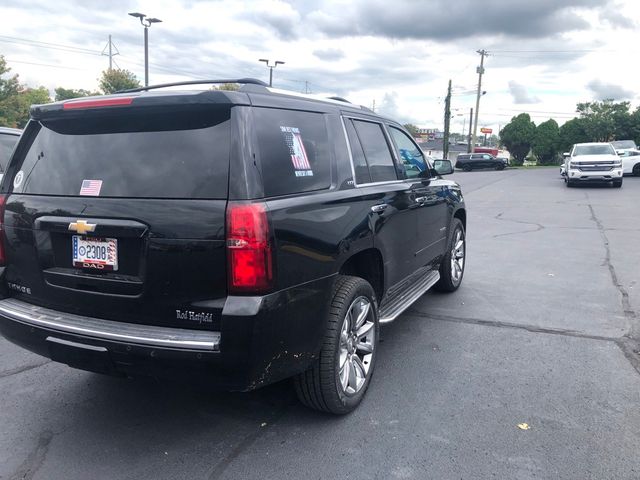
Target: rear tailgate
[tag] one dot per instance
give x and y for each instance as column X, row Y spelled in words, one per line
column 122, row 216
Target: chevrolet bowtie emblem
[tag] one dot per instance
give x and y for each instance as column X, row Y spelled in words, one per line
column 82, row 227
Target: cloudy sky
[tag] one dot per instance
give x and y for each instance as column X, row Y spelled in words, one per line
column 545, row 55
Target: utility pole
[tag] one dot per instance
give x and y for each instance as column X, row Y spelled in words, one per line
column 447, row 121
column 483, row 53
column 373, row 105
column 470, row 127
column 110, row 47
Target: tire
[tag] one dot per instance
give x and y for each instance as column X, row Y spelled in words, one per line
column 569, row 183
column 466, row 168
column 617, row 183
column 499, row 167
column 322, row 386
column 451, row 276
column 636, row 170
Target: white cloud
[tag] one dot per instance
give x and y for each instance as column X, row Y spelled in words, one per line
column 405, row 73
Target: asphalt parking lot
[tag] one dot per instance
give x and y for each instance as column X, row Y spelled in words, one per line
column 539, row 333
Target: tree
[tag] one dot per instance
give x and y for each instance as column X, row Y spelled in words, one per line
column 9, row 86
column 517, row 136
column 14, row 111
column 68, row 93
column 546, row 142
column 605, row 121
column 412, row 129
column 571, row 132
column 233, row 87
column 115, row 79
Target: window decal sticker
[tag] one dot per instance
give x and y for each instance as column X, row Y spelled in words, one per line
column 91, row 187
column 17, row 181
column 299, row 158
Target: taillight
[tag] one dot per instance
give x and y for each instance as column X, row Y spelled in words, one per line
column 248, row 249
column 3, row 258
column 97, row 103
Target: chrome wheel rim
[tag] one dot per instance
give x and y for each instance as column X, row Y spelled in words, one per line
column 457, row 257
column 357, row 342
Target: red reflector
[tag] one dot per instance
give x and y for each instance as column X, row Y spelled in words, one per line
column 248, row 249
column 3, row 258
column 96, row 103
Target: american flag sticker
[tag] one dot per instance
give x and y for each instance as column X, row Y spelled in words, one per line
column 91, row 187
column 298, row 154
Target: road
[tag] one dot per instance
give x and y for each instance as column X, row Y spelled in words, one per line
column 539, row 333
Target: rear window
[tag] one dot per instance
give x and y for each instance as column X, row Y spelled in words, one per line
column 159, row 155
column 294, row 151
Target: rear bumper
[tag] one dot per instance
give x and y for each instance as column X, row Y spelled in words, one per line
column 262, row 339
column 108, row 330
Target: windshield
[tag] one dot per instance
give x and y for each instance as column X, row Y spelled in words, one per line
column 593, row 150
column 624, row 144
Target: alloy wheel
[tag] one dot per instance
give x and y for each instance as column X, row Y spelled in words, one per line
column 357, row 343
column 457, row 257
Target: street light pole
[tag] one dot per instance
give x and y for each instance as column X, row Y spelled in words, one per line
column 146, row 56
column 271, row 67
column 146, row 23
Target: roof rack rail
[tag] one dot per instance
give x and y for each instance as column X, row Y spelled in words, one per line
column 252, row 81
column 339, row 99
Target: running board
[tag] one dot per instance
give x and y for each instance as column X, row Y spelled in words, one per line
column 392, row 308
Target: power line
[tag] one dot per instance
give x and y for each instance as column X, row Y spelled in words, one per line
column 52, row 46
column 552, row 51
column 47, row 65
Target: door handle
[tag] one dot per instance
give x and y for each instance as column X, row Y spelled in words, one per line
column 421, row 200
column 379, row 208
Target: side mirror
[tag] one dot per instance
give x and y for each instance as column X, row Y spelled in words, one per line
column 443, row 167
column 566, row 154
column 620, row 153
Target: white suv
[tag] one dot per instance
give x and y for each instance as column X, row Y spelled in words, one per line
column 593, row 162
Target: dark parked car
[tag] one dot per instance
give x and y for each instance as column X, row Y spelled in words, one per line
column 8, row 139
column 237, row 237
column 472, row 161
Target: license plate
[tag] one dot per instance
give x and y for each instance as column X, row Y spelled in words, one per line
column 95, row 253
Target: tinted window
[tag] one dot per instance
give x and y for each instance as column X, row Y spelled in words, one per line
column 121, row 157
column 376, row 151
column 7, row 142
column 294, row 151
column 409, row 154
column 359, row 161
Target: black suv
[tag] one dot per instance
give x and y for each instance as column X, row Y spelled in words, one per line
column 242, row 237
column 470, row 161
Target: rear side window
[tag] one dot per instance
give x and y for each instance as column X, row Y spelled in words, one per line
column 177, row 155
column 357, row 154
column 294, row 151
column 376, row 151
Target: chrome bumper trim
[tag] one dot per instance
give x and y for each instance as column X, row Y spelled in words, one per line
column 98, row 328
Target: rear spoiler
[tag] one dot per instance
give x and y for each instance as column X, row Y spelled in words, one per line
column 109, row 104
